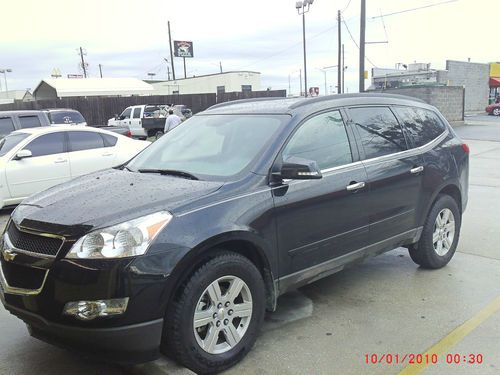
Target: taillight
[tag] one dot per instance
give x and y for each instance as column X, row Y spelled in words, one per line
column 129, row 134
column 465, row 147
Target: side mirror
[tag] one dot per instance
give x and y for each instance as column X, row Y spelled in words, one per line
column 295, row 168
column 121, row 117
column 23, row 154
column 116, row 116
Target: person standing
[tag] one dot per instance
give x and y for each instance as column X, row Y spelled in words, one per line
column 172, row 121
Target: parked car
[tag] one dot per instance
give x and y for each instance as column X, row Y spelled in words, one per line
column 148, row 120
column 493, row 109
column 65, row 116
column 14, row 120
column 185, row 246
column 32, row 160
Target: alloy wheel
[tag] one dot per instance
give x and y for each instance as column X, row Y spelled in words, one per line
column 444, row 232
column 222, row 315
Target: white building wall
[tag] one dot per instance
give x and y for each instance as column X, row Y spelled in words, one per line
column 232, row 81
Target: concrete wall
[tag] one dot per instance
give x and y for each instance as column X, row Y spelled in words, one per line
column 232, row 81
column 474, row 77
column 449, row 100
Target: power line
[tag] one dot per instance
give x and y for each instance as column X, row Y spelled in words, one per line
column 414, row 9
column 356, row 43
column 347, row 6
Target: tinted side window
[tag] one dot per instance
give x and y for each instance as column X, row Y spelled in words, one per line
column 323, row 139
column 137, row 113
column 126, row 114
column 380, row 132
column 48, row 144
column 421, row 125
column 29, row 121
column 79, row 141
column 6, row 126
column 109, row 140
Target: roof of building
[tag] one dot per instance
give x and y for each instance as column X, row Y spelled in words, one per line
column 204, row 75
column 288, row 105
column 96, row 86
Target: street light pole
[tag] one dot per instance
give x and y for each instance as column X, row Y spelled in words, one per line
column 5, row 71
column 302, row 8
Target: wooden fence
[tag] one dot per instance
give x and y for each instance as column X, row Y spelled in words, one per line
column 98, row 109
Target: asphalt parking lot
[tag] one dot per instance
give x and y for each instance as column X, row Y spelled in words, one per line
column 386, row 305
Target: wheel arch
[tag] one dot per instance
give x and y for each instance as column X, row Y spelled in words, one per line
column 449, row 188
column 239, row 242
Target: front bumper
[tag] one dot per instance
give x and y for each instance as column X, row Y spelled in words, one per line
column 130, row 344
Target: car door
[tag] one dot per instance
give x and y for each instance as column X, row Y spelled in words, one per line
column 48, row 166
column 87, row 152
column 135, row 120
column 394, row 172
column 318, row 220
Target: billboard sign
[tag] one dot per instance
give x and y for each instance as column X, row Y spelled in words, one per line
column 75, row 75
column 313, row 91
column 183, row 48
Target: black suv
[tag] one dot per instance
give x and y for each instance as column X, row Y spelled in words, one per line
column 183, row 248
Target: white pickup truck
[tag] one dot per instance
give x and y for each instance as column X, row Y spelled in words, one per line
column 132, row 117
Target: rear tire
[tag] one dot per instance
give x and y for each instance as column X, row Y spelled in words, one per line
column 440, row 234
column 214, row 321
column 496, row 111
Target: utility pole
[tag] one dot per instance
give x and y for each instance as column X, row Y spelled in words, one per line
column 83, row 63
column 168, row 69
column 305, row 59
column 100, row 70
column 300, row 79
column 220, row 66
column 184, row 60
column 340, row 85
column 171, row 51
column 343, row 68
column 362, row 47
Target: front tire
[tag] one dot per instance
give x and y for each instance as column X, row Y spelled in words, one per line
column 214, row 321
column 496, row 111
column 440, row 234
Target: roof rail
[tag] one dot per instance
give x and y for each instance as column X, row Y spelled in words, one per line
column 358, row 95
column 225, row 104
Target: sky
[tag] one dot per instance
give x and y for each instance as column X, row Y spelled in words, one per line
column 129, row 37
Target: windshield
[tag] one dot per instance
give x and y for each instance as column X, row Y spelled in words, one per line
column 66, row 117
column 9, row 142
column 216, row 146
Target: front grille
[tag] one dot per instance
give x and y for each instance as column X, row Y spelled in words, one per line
column 18, row 276
column 32, row 242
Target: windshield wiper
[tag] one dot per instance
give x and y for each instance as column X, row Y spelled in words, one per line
column 171, row 172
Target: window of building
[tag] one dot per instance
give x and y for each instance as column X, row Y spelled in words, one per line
column 246, row 88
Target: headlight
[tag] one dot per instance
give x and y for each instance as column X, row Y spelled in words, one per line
column 123, row 240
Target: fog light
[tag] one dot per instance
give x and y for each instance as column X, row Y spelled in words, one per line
column 88, row 310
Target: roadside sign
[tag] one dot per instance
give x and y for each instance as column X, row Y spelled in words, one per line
column 313, row 91
column 183, row 48
column 75, row 76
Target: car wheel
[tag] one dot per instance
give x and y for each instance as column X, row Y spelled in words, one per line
column 158, row 134
column 215, row 320
column 440, row 234
column 496, row 111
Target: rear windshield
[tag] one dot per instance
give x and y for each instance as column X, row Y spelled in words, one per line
column 66, row 117
column 11, row 141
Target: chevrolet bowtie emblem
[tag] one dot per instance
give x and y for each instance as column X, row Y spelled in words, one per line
column 9, row 255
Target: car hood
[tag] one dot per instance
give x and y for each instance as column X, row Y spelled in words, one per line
column 106, row 198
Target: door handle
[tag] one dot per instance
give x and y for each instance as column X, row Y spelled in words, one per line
column 107, row 154
column 57, row 161
column 416, row 170
column 355, row 186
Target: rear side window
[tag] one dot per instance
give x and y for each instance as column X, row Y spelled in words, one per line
column 6, row 126
column 421, row 125
column 323, row 139
column 379, row 130
column 48, row 144
column 29, row 122
column 109, row 140
column 79, row 141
